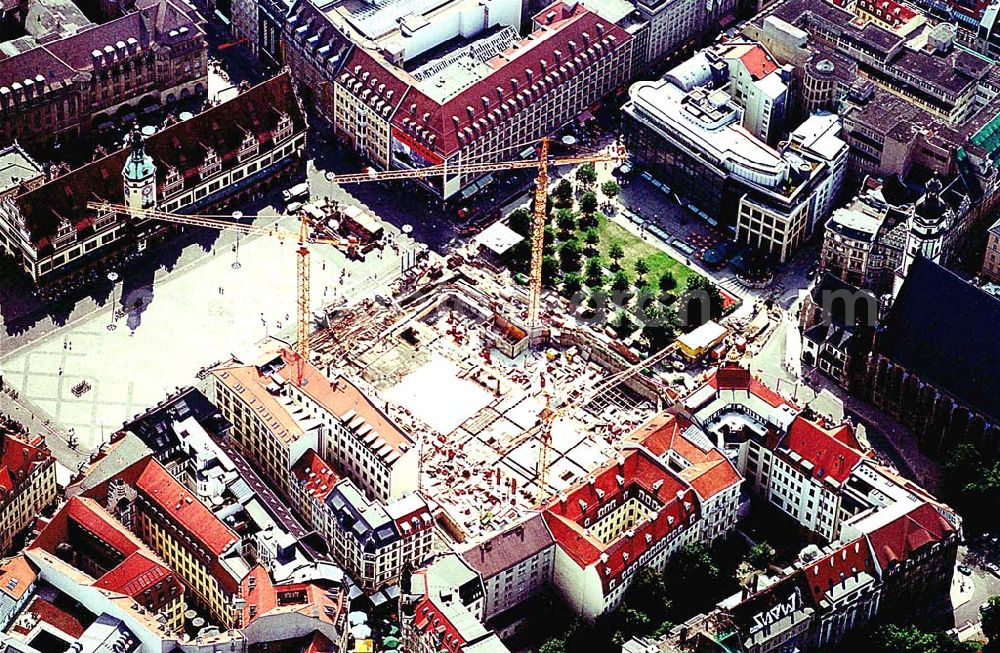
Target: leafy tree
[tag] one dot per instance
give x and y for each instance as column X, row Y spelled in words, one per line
column 570, row 256
column 659, row 322
column 518, row 257
column 611, row 189
column 621, row 282
column 972, row 484
column 617, row 253
column 572, row 284
column 591, row 220
column 595, row 267
column 598, row 298
column 593, row 239
column 760, row 556
column 588, row 203
column 667, row 281
column 648, row 595
column 519, row 220
column 912, row 639
column 550, row 270
column 553, row 645
column 586, row 174
column 641, row 268
column 693, row 579
column 549, row 240
column 990, row 612
column 702, row 302
column 623, row 324
column 565, row 220
column 563, row 193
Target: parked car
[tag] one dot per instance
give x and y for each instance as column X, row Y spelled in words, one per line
column 962, row 569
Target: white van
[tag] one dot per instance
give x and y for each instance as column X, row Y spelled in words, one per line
column 298, row 191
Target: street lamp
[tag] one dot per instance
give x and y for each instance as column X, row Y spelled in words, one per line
column 236, row 248
column 112, row 277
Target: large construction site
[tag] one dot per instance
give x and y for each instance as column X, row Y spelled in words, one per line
column 450, row 357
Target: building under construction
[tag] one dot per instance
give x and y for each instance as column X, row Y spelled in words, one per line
column 449, row 357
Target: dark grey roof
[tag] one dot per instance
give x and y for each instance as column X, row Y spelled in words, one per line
column 154, row 427
column 944, row 330
column 506, row 549
column 368, row 521
column 836, row 296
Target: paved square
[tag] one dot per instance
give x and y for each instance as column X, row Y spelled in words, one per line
column 198, row 314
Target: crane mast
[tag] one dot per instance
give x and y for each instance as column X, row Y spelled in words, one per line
column 538, row 241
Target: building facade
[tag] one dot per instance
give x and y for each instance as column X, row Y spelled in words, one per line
column 375, row 542
column 935, row 379
column 205, row 553
column 222, row 154
column 154, row 55
column 687, row 128
column 86, row 537
column 27, row 484
column 278, row 416
column 499, row 92
column 991, row 259
column 515, row 565
column 631, row 513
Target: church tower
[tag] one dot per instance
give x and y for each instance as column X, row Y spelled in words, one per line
column 928, row 224
column 139, row 175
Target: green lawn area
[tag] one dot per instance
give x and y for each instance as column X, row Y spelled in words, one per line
column 635, row 248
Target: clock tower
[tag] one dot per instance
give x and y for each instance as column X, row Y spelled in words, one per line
column 139, row 175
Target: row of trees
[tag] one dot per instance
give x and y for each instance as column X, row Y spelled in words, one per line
column 653, row 603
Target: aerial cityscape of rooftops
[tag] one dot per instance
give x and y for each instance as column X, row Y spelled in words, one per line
column 499, row 326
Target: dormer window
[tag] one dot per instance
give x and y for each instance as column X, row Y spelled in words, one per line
column 249, row 147
column 283, row 130
column 173, row 183
column 212, row 164
column 104, row 218
column 65, row 234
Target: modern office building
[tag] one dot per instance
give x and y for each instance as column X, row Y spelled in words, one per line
column 687, row 131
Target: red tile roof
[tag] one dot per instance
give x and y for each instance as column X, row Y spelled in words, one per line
column 55, row 616
column 106, row 528
column 826, row 448
column 182, row 145
column 446, row 127
column 183, row 508
column 140, row 568
column 16, row 575
column 731, row 376
column 263, row 596
column 619, row 481
column 709, row 473
column 711, row 477
column 314, row 475
column 659, row 433
column 18, row 459
column 899, row 539
column 758, row 62
column 845, row 562
column 135, row 575
column 341, row 397
column 429, row 616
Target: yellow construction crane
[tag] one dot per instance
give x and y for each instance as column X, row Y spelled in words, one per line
column 615, row 154
column 550, row 414
column 304, row 237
